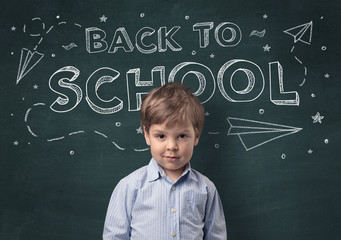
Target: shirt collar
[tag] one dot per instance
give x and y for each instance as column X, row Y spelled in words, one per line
column 155, row 171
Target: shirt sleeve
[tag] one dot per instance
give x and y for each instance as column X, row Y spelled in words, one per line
column 215, row 226
column 118, row 217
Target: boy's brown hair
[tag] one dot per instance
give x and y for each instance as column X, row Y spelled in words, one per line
column 172, row 103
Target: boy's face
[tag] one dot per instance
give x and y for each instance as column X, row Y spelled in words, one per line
column 172, row 147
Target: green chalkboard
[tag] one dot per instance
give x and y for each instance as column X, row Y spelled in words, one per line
column 267, row 72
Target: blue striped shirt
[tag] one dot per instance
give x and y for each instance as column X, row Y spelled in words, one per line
column 148, row 205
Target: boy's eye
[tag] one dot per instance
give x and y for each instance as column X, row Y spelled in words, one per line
column 160, row 136
column 182, row 135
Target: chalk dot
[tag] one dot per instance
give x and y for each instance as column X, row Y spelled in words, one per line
column 261, row 111
column 322, row 17
column 12, row 53
column 142, row 15
column 57, row 16
column 323, row 48
column 326, row 141
column 313, row 95
column 53, row 55
column 216, row 146
column 72, row 152
column 118, row 124
column 186, row 17
column 194, row 52
column 283, row 156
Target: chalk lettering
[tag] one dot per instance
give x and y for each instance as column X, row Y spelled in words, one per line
column 70, row 94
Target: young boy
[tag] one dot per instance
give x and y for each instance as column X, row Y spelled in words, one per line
column 167, row 199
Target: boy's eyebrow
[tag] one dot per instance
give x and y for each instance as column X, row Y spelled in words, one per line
column 185, row 130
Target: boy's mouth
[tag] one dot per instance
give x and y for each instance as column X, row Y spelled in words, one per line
column 172, row 158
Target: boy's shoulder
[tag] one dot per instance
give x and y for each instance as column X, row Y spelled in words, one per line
column 135, row 177
column 202, row 179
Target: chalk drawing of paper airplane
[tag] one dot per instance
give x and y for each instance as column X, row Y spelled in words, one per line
column 28, row 60
column 302, row 33
column 253, row 134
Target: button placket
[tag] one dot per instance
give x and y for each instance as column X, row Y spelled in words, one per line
column 174, row 198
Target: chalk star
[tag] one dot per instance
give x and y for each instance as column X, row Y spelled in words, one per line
column 139, row 130
column 265, row 16
column 13, row 28
column 35, row 86
column 266, row 48
column 317, row 118
column 310, row 151
column 326, row 75
column 212, row 55
column 207, row 114
column 103, row 18
column 16, row 143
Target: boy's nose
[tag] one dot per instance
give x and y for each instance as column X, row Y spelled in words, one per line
column 172, row 145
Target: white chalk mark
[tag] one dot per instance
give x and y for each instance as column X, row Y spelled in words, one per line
column 41, row 39
column 28, row 60
column 39, row 104
column 70, row 46
column 103, row 18
column 213, row 133
column 292, row 49
column 26, row 114
column 266, row 132
column 102, row 134
column 35, row 48
column 317, row 118
column 141, row 150
column 258, row 33
column 55, row 139
column 302, row 33
column 74, row 133
column 298, row 60
column 60, row 23
column 78, row 25
column 266, row 48
column 31, row 132
column 116, row 145
column 302, row 82
column 48, row 31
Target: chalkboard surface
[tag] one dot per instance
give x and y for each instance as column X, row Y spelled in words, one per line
column 267, row 72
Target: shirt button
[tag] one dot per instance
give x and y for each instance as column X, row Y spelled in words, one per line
column 173, row 234
column 173, row 210
column 173, row 188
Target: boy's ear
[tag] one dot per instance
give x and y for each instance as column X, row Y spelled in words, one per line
column 146, row 136
column 196, row 141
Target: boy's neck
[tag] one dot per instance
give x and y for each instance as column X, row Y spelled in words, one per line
column 175, row 175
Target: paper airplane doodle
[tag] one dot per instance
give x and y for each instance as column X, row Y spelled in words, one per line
column 247, row 130
column 302, row 33
column 28, row 60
